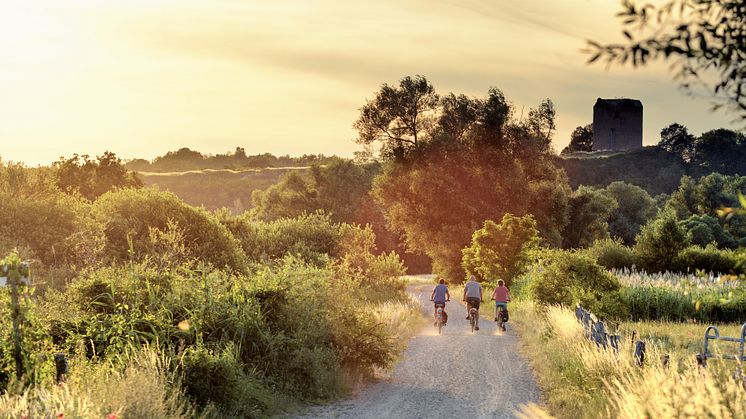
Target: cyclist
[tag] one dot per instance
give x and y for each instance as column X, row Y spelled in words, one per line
column 501, row 295
column 472, row 296
column 439, row 296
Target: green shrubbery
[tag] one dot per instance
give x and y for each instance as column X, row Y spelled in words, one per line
column 311, row 237
column 572, row 277
column 131, row 217
column 612, row 254
column 500, row 251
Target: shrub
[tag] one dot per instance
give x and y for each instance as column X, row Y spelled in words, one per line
column 500, row 251
column 659, row 242
column 612, row 254
column 570, row 277
column 131, row 215
column 709, row 259
column 220, row 380
column 311, row 237
column 378, row 272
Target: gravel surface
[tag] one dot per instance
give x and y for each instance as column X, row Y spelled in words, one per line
column 456, row 374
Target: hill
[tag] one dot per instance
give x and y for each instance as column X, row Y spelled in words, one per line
column 217, row 188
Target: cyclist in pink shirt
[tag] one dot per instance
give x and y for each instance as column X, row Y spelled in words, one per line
column 501, row 295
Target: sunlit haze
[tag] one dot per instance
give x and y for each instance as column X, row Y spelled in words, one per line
column 143, row 77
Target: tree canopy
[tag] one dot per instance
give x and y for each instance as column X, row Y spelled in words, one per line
column 472, row 163
column 699, row 37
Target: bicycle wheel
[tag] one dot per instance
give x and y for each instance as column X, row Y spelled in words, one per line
column 440, row 326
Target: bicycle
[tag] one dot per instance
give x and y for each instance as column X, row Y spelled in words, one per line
column 474, row 319
column 501, row 318
column 440, row 316
column 473, row 305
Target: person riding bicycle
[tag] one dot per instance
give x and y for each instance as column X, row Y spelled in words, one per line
column 472, row 296
column 501, row 295
column 439, row 296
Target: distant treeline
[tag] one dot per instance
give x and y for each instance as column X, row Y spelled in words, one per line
column 185, row 159
column 658, row 169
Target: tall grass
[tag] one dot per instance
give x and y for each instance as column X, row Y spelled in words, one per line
column 143, row 385
column 581, row 380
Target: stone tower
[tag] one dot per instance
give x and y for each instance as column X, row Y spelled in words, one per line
column 617, row 124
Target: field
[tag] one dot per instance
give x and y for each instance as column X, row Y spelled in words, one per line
column 217, row 188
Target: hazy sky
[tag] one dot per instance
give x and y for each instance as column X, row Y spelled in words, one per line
column 142, row 77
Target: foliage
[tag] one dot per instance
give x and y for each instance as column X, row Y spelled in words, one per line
column 709, row 259
column 131, row 215
column 707, row 196
column 635, row 209
column 311, row 237
column 34, row 366
column 339, row 189
column 720, row 151
column 704, row 229
column 612, row 254
column 700, row 37
column 651, row 168
column 660, row 241
column 184, row 159
column 589, row 211
column 359, row 260
column 216, row 189
column 677, row 140
column 501, row 251
column 581, row 139
column 398, row 116
column 473, row 163
column 92, row 178
column 573, row 277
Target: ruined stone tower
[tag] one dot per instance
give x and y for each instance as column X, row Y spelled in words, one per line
column 617, row 124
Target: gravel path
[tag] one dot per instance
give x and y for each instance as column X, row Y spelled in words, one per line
column 456, row 374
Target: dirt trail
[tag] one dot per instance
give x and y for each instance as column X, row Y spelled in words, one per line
column 456, row 374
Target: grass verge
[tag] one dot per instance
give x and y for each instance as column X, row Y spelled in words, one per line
column 581, row 381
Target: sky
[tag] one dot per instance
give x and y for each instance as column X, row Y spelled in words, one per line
column 143, row 77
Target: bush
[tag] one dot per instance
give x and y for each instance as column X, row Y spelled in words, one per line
column 220, row 381
column 659, row 242
column 612, row 254
column 131, row 218
column 570, row 277
column 311, row 237
column 500, row 251
column 709, row 259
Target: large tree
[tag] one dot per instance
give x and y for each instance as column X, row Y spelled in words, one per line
column 398, row 117
column 701, row 38
column 477, row 164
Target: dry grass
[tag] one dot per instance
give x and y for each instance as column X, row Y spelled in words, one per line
column 143, row 388
column 581, row 380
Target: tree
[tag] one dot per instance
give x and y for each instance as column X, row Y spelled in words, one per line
column 501, row 251
column 676, row 139
column 660, row 241
column 581, row 139
column 92, row 178
column 722, row 151
column 589, row 209
column 704, row 229
column 541, row 125
column 698, row 36
column 635, row 208
column 398, row 117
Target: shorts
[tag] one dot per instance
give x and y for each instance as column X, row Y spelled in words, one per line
column 502, row 304
column 473, row 302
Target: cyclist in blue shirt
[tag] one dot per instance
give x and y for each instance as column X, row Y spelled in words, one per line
column 439, row 296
